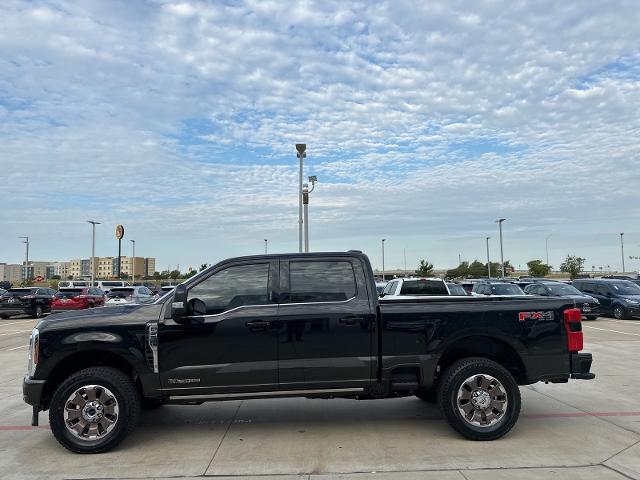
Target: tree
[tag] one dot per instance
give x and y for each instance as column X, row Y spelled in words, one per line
column 425, row 269
column 55, row 277
column 174, row 274
column 572, row 265
column 460, row 271
column 538, row 269
column 204, row 266
column 477, row 269
column 191, row 273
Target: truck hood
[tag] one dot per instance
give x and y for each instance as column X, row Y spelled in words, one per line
column 101, row 317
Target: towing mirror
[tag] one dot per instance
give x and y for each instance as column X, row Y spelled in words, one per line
column 179, row 304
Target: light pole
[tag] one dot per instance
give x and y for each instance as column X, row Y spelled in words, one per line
column 546, row 244
column 133, row 264
column 499, row 222
column 488, row 259
column 383, row 258
column 301, row 149
column 266, row 247
column 26, row 261
column 93, row 250
column 622, row 250
column 305, row 201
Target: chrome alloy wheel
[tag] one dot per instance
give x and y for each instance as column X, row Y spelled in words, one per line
column 91, row 412
column 482, row 400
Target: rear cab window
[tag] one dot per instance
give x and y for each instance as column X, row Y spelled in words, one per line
column 321, row 281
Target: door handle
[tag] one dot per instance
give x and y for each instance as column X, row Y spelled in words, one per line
column 258, row 325
column 350, row 320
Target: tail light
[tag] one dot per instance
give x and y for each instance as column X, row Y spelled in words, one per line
column 573, row 325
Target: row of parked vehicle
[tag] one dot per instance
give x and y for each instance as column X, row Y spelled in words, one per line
column 36, row 301
column 619, row 297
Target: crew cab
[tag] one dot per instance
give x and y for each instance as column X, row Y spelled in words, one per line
column 297, row 325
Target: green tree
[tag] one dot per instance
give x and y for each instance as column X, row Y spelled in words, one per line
column 174, row 274
column 460, row 271
column 572, row 265
column 425, row 269
column 477, row 269
column 191, row 273
column 538, row 269
column 204, row 266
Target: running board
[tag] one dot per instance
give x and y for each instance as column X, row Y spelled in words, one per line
column 275, row 394
column 404, row 386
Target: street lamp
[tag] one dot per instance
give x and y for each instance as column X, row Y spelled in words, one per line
column 499, row 222
column 546, row 244
column 266, row 247
column 488, row 259
column 26, row 261
column 133, row 264
column 383, row 240
column 93, row 250
column 622, row 250
column 301, row 149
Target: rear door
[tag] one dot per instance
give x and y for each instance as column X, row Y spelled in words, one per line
column 326, row 326
column 603, row 294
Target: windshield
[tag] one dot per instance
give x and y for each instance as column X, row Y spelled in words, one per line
column 120, row 292
column 455, row 289
column 423, row 287
column 626, row 288
column 563, row 289
column 506, row 289
column 69, row 293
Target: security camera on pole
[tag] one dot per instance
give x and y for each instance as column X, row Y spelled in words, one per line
column 119, row 236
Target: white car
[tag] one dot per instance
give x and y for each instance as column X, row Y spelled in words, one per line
column 414, row 287
column 129, row 295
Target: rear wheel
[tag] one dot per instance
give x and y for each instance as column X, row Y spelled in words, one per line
column 94, row 410
column 479, row 398
column 37, row 312
column 620, row 312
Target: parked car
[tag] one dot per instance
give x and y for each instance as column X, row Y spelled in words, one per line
column 496, row 288
column 620, row 298
column 414, row 287
column 589, row 305
column 162, row 291
column 124, row 295
column 635, row 280
column 5, row 285
column 307, row 325
column 106, row 285
column 74, row 283
column 2, row 291
column 380, row 287
column 34, row 301
column 456, row 289
column 77, row 299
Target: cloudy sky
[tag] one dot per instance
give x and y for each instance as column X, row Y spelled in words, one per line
column 425, row 122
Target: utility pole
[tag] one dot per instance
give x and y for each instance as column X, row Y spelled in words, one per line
column 93, row 251
column 622, row 250
column 383, row 258
column 546, row 244
column 133, row 264
column 301, row 149
column 499, row 222
column 488, row 259
column 26, row 261
column 404, row 252
column 266, row 248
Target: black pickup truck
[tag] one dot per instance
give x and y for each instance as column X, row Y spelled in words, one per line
column 297, row 325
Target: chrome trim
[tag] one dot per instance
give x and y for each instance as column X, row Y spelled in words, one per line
column 232, row 310
column 152, row 340
column 320, row 303
column 278, row 393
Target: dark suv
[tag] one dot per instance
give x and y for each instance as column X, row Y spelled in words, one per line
column 496, row 288
column 621, row 298
column 34, row 301
column 589, row 306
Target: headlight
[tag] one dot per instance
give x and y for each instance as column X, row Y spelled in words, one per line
column 34, row 352
column 632, row 302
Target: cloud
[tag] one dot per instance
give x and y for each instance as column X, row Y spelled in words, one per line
column 425, row 122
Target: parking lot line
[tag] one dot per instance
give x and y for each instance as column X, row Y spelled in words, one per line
column 15, row 348
column 10, row 323
column 609, row 330
column 14, row 333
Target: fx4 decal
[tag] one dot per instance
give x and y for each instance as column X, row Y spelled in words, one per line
column 544, row 316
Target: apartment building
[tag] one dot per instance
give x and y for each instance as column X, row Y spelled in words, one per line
column 10, row 272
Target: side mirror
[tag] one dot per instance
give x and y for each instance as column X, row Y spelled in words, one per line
column 179, row 304
column 382, row 294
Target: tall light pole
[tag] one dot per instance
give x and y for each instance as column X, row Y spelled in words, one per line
column 546, row 245
column 383, row 258
column 622, row 250
column 305, row 201
column 133, row 264
column 266, row 246
column 499, row 222
column 301, row 149
column 488, row 259
column 93, row 250
column 26, row 261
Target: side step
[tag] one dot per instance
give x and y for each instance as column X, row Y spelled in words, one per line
column 404, row 385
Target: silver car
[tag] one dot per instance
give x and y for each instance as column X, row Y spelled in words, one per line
column 125, row 295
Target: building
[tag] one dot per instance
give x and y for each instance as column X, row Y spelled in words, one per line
column 37, row 269
column 149, row 267
column 11, row 273
column 107, row 267
column 60, row 269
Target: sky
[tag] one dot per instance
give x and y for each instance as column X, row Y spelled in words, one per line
column 424, row 122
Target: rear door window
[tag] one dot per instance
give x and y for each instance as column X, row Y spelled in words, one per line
column 603, row 290
column 311, row 282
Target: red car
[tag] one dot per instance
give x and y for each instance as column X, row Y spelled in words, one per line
column 77, row 299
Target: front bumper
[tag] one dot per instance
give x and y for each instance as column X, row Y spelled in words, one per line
column 32, row 391
column 581, row 366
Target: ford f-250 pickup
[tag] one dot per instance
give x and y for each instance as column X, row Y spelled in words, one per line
column 297, row 325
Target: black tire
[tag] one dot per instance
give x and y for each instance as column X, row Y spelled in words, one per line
column 592, row 317
column 452, row 382
column 38, row 311
column 429, row 395
column 620, row 312
column 128, row 403
column 5, row 317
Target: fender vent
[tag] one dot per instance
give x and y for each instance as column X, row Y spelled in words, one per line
column 151, row 346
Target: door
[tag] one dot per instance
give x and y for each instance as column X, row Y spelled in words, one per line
column 233, row 347
column 326, row 327
column 603, row 294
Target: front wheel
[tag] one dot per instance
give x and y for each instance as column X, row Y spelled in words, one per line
column 4, row 317
column 619, row 312
column 480, row 398
column 38, row 311
column 94, row 410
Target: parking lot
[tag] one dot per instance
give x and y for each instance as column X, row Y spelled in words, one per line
column 584, row 429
